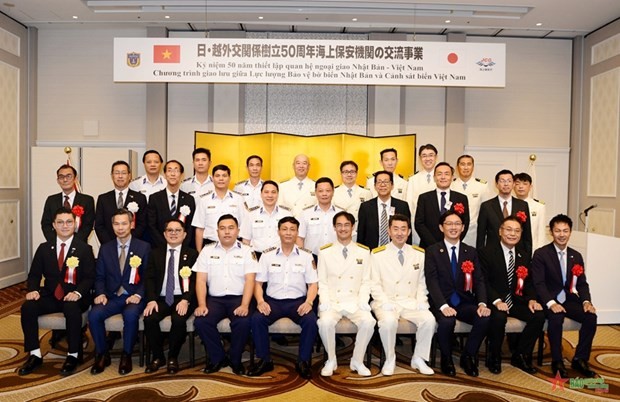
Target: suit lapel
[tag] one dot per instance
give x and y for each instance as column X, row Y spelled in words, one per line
column 496, row 208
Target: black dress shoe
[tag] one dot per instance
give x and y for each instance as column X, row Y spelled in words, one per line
column 558, row 367
column 173, row 365
column 213, row 368
column 101, row 362
column 31, row 365
column 520, row 361
column 582, row 366
column 69, row 366
column 238, row 368
column 494, row 364
column 125, row 365
column 303, row 368
column 155, row 365
column 447, row 367
column 468, row 364
column 260, row 368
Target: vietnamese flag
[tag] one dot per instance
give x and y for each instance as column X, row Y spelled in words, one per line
column 166, row 53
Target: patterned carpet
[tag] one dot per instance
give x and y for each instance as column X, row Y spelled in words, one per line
column 283, row 384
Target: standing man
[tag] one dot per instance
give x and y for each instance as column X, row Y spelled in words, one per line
column 523, row 185
column 511, row 293
column 226, row 271
column 422, row 181
column 476, row 190
column 350, row 195
column 433, row 204
column 372, row 229
column 214, row 204
column 152, row 181
column 81, row 205
column 168, row 203
column 399, row 291
column 561, row 284
column 119, row 289
column 344, row 290
column 389, row 161
column 67, row 267
column 121, row 197
column 457, row 290
column 493, row 212
column 200, row 183
column 250, row 188
column 290, row 274
column 170, row 289
column 298, row 192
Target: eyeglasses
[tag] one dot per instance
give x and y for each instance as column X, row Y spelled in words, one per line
column 343, row 225
column 505, row 181
column 348, row 171
column 63, row 177
column 173, row 170
column 171, row 231
column 455, row 224
column 383, row 182
column 512, row 230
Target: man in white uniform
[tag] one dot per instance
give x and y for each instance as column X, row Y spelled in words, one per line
column 349, row 195
column 200, row 183
column 251, row 187
column 522, row 189
column 389, row 161
column 298, row 192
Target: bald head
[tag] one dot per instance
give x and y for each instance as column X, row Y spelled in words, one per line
column 301, row 166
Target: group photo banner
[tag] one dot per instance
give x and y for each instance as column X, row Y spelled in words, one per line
column 309, row 61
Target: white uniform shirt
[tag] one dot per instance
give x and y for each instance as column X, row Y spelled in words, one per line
column 418, row 184
column 250, row 193
column 144, row 186
column 400, row 187
column 193, row 187
column 317, row 227
column 287, row 277
column 477, row 191
column 351, row 203
column 291, row 196
column 538, row 221
column 261, row 228
column 210, row 207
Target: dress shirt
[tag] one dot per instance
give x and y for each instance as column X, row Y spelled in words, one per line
column 211, row 207
column 195, row 188
column 260, row 227
column 287, row 277
column 316, row 227
column 249, row 193
column 144, row 186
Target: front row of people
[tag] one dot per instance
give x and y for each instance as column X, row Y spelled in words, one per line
column 226, row 280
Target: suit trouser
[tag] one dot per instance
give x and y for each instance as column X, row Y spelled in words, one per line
column 32, row 309
column 466, row 312
column 178, row 328
column 131, row 317
column 574, row 310
column 327, row 330
column 388, row 324
column 534, row 323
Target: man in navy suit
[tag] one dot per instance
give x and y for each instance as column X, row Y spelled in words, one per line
column 372, row 228
column 432, row 204
column 119, row 289
column 457, row 290
column 562, row 288
column 67, row 266
column 81, row 204
column 121, row 197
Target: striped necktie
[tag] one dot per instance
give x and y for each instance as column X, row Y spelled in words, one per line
column 510, row 273
column 383, row 228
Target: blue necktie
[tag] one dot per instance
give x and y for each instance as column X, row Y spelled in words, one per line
column 170, row 280
column 454, row 299
column 443, row 206
column 562, row 294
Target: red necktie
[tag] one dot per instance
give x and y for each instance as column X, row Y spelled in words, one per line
column 58, row 292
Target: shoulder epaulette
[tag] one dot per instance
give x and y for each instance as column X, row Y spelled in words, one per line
column 337, row 186
column 481, row 181
column 415, row 247
column 240, row 182
column 339, row 207
column 254, row 208
column 370, row 176
column 284, row 207
column 539, row 201
column 188, row 179
column 378, row 249
column 400, row 175
column 328, row 245
column 269, row 249
column 236, row 192
column 360, row 186
column 137, row 178
column 207, row 193
column 363, row 246
column 309, row 206
column 454, row 179
column 306, row 250
column 416, row 172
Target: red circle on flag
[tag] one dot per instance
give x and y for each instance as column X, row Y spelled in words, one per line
column 453, row 58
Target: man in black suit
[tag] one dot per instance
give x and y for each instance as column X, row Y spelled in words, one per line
column 171, row 203
column 493, row 212
column 82, row 205
column 67, row 266
column 170, row 290
column 432, row 204
column 121, row 197
column 372, row 228
column 457, row 290
column 561, row 285
column 511, row 293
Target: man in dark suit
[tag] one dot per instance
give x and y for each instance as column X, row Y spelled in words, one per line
column 82, row 205
column 432, row 204
column 171, row 203
column 562, row 288
column 67, row 266
column 457, row 290
column 121, row 197
column 493, row 212
column 372, row 228
column 511, row 293
column 119, row 289
column 170, row 291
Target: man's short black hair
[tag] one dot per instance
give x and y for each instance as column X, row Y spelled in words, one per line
column 346, row 214
column 288, row 219
column 152, row 151
column 384, row 172
column 503, row 172
column 560, row 218
column 425, row 147
column 201, row 151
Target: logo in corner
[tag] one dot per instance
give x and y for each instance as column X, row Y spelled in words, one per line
column 486, row 63
column 133, row 59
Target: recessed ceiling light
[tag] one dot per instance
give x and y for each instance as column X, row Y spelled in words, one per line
column 354, row 19
column 260, row 18
column 166, row 16
column 448, row 21
column 538, row 24
column 75, row 17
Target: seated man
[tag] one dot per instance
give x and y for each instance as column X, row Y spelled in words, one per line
column 399, row 291
column 344, row 290
column 119, row 289
column 67, row 266
column 225, row 271
column 511, row 293
column 291, row 289
column 170, row 291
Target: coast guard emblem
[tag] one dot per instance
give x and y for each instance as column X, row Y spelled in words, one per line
column 133, row 59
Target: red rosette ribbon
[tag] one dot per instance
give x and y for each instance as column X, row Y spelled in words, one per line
column 468, row 267
column 70, row 276
column 78, row 211
column 459, row 208
column 521, row 275
column 577, row 271
column 136, row 279
column 521, row 216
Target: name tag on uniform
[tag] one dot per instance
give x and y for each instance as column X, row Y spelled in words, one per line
column 238, row 256
column 214, row 257
column 314, row 220
column 210, row 206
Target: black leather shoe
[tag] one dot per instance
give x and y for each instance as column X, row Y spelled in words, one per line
column 494, row 364
column 31, row 365
column 69, row 366
column 213, row 368
column 303, row 368
column 125, row 365
column 238, row 368
column 447, row 367
column 558, row 367
column 101, row 362
column 173, row 365
column 520, row 361
column 260, row 368
column 468, row 364
column 582, row 366
column 155, row 365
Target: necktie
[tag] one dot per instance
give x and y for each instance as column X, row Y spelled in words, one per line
column 121, row 262
column 510, row 273
column 443, row 202
column 350, row 191
column 58, row 292
column 300, row 184
column 383, row 234
column 562, row 294
column 428, row 178
column 173, row 206
column 454, row 299
column 67, row 204
column 401, row 257
column 170, row 280
column 464, row 186
column 505, row 209
column 345, row 252
column 120, row 202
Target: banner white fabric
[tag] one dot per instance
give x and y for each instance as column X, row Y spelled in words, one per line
column 286, row 61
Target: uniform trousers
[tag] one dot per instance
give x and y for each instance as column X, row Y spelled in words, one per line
column 131, row 317
column 388, row 325
column 574, row 311
column 178, row 328
column 466, row 312
column 327, row 330
column 534, row 323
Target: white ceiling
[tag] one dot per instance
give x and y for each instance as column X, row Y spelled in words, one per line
column 558, row 18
